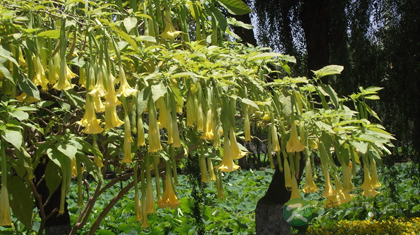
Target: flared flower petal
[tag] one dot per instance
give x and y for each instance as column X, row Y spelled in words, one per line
column 235, row 152
column 125, row 88
column 208, row 129
column 227, row 164
column 169, row 197
column 294, row 144
column 111, row 118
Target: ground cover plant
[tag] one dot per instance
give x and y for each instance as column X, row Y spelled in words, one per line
column 234, row 214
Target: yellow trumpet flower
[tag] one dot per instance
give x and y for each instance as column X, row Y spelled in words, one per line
column 275, row 139
column 235, row 152
column 227, row 164
column 137, row 207
column 294, row 144
column 64, row 77
column 375, row 181
column 150, row 201
column 247, row 126
column 99, row 89
column 169, row 197
column 169, row 32
column 127, row 148
column 140, row 132
column 89, row 120
column 208, row 130
column 295, row 189
column 310, row 186
column 97, row 103
column 4, row 207
column 111, row 118
column 191, row 118
column 176, row 143
column 287, row 175
column 154, row 135
column 367, row 186
column 329, row 190
column 125, row 88
column 163, row 112
column 111, row 97
column 40, row 79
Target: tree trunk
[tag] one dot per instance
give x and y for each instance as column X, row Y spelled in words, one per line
column 56, row 224
column 269, row 219
column 314, row 17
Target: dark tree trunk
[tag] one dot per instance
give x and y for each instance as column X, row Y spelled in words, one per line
column 56, row 224
column 314, row 17
column 269, row 219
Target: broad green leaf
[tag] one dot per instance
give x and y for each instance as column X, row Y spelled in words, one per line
column 361, row 146
column 370, row 90
column 21, row 200
column 144, row 16
column 126, row 37
column 88, row 148
column 7, row 55
column 19, row 114
column 158, row 91
column 372, row 97
column 13, row 136
column 52, row 177
column 331, row 93
column 143, row 98
column 67, row 149
column 328, row 70
column 250, row 103
column 50, row 33
column 28, row 86
column 146, row 38
column 264, row 56
column 90, row 166
column 221, row 19
column 74, row 98
column 235, row 7
column 6, row 73
column 130, row 23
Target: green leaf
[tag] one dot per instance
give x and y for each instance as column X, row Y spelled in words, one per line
column 328, row 70
column 331, row 93
column 50, row 33
column 264, row 56
column 28, row 86
column 146, row 38
column 19, row 114
column 158, row 91
column 235, row 7
column 21, row 200
column 68, row 150
column 126, row 37
column 361, row 146
column 130, row 23
column 250, row 103
column 143, row 98
column 7, row 55
column 13, row 136
column 52, row 177
column 221, row 19
column 90, row 166
column 74, row 98
column 6, row 73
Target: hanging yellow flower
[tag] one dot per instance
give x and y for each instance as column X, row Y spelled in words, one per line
column 235, row 152
column 294, row 144
column 367, row 186
column 64, row 77
column 99, row 89
column 169, row 197
column 208, row 130
column 89, row 120
column 275, row 138
column 125, row 88
column 111, row 97
column 287, row 175
column 176, row 141
column 169, row 32
column 111, row 118
column 227, row 164
column 150, row 201
column 137, row 207
column 154, row 135
column 163, row 112
column 310, row 186
column 4, row 207
column 295, row 189
column 39, row 78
